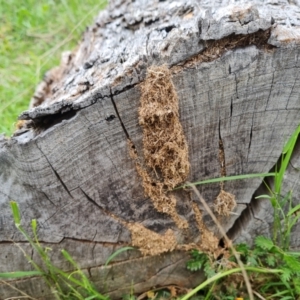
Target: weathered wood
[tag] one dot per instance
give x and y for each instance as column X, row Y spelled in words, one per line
column 235, row 68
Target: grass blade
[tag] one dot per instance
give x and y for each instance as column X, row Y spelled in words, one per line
column 119, row 251
column 16, row 212
column 293, row 210
column 286, row 155
column 228, row 178
column 224, row 274
column 20, row 274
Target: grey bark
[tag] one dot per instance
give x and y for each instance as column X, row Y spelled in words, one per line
column 70, row 169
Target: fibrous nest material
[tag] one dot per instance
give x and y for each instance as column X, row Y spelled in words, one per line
column 149, row 242
column 165, row 164
column 162, row 200
column 165, row 149
column 209, row 242
column 225, row 202
column 164, row 144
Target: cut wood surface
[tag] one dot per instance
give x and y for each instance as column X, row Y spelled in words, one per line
column 82, row 165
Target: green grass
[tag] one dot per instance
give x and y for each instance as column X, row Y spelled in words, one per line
column 64, row 286
column 33, row 34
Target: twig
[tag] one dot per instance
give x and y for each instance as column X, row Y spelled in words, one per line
column 259, row 295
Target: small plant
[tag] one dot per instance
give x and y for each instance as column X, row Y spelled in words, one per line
column 225, row 281
column 64, row 285
column 282, row 282
column 201, row 261
column 284, row 213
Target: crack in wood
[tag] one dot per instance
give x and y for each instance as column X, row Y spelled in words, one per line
column 50, row 217
column 231, row 109
column 7, row 196
column 89, row 272
column 117, row 112
column 101, row 208
column 292, row 89
column 174, row 263
column 224, row 202
column 109, row 267
column 221, row 155
column 250, row 207
column 216, row 48
column 54, row 171
column 236, row 86
column 166, row 267
column 96, row 242
column 12, row 242
column 39, row 191
column 91, row 200
column 250, row 139
column 46, row 196
column 248, row 213
column 272, row 84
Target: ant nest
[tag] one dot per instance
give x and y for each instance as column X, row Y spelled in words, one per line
column 165, row 150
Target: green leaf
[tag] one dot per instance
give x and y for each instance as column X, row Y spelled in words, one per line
column 209, row 272
column 20, row 274
column 196, row 254
column 286, row 275
column 292, row 262
column 33, row 225
column 194, row 265
column 264, row 243
column 296, row 282
column 242, row 248
column 251, row 260
column 291, row 142
column 15, row 212
column 286, row 155
column 293, row 253
column 271, row 261
column 286, row 199
column 263, row 197
column 119, row 251
column 68, row 257
column 274, row 202
column 258, row 252
column 198, row 262
column 91, row 297
column 293, row 210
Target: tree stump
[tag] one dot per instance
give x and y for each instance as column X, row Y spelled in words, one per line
column 156, row 94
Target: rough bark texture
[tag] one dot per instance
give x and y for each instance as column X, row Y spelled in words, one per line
column 235, row 68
